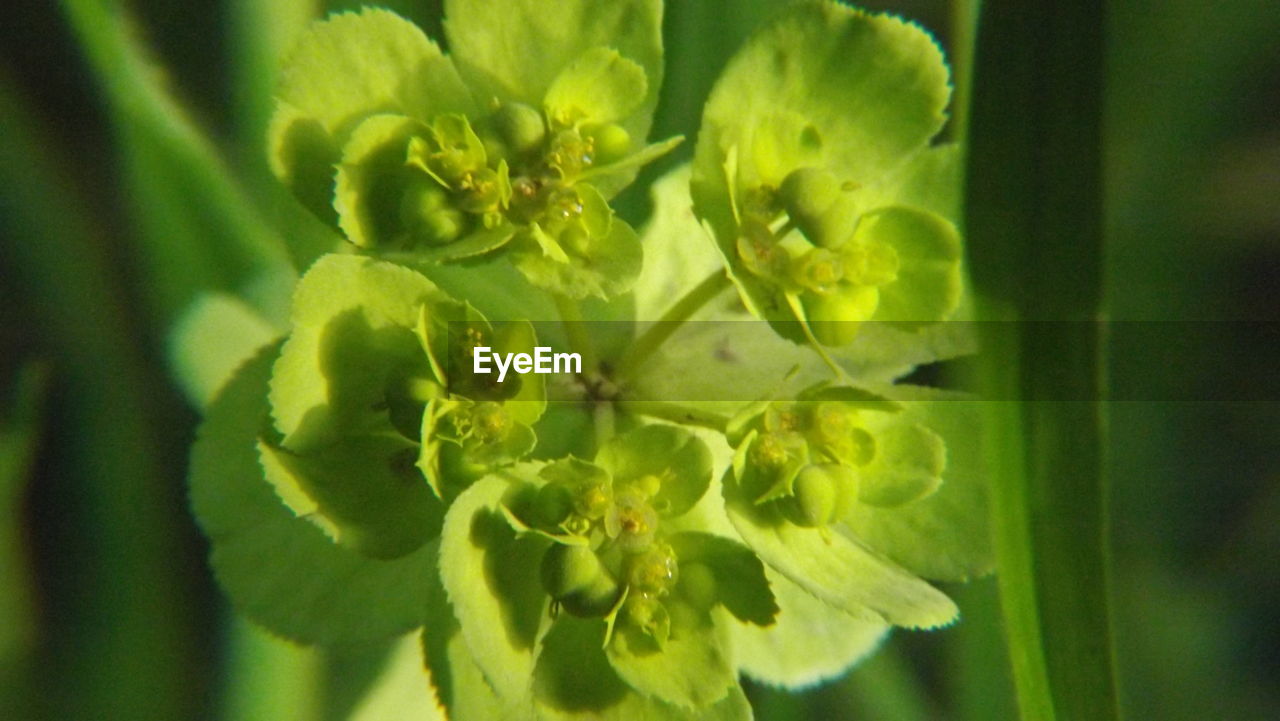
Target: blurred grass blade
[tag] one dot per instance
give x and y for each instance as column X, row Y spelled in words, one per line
column 1035, row 237
column 198, row 230
column 116, row 587
column 270, row 678
column 261, row 31
column 20, row 423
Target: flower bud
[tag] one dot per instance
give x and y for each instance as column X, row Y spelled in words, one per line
column 816, row 496
column 520, row 127
column 807, row 194
column 574, row 576
column 836, row 317
column 428, row 215
column 611, row 141
column 569, row 569
column 552, row 505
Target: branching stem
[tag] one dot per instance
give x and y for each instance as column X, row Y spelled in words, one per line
column 657, row 334
column 676, row 413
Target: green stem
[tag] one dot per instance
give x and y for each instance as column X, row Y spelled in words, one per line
column 964, row 28
column 1035, row 245
column 576, row 333
column 658, row 333
column 676, row 413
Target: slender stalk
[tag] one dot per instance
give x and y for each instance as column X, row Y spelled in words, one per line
column 576, row 332
column 964, row 30
column 652, row 339
column 1035, row 242
column 676, row 413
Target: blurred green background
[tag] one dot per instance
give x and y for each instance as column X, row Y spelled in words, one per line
column 115, row 211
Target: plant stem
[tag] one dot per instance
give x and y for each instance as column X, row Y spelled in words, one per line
column 676, row 413
column 657, row 334
column 576, row 332
column 1035, row 245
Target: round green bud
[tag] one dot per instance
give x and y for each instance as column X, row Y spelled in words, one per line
column 698, row 585
column 442, row 227
column 816, row 496
column 427, row 213
column 611, row 142
column 568, row 569
column 521, row 127
column 552, row 505
column 807, row 193
column 836, row 317
column 575, row 578
column 812, row 199
column 594, row 602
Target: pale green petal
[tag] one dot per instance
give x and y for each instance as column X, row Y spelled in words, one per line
column 928, row 285
column 811, row 642
column 341, row 71
column 825, row 85
column 575, row 682
column 492, row 582
column 908, row 463
column 677, row 457
column 599, row 86
column 692, row 669
column 402, row 690
column 281, row 570
column 372, row 177
column 945, row 536
column 838, row 569
column 739, row 576
column 931, row 180
column 861, row 92
column 610, row 269
column 515, row 50
column 353, row 65
column 353, row 324
column 371, row 497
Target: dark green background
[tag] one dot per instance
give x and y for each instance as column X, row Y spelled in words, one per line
column 107, row 610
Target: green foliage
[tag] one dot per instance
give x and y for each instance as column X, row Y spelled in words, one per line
column 798, row 190
column 633, row 556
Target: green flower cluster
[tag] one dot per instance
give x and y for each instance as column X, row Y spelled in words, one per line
column 358, row 480
column 815, row 180
column 417, row 159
